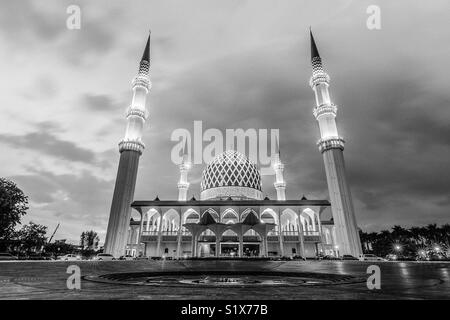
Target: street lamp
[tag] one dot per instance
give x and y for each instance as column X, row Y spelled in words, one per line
column 398, row 247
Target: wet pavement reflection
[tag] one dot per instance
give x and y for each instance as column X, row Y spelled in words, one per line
column 399, row 280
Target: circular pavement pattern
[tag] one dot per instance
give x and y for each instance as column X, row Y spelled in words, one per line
column 223, row 279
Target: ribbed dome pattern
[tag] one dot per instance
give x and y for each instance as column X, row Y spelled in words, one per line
column 232, row 169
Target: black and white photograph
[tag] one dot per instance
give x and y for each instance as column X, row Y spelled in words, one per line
column 225, row 156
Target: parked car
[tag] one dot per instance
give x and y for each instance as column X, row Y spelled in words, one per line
column 330, row 257
column 370, row 257
column 104, row 257
column 127, row 257
column 348, row 257
column 70, row 257
column 141, row 258
column 392, row 257
column 5, row 256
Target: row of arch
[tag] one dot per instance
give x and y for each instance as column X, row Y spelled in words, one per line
column 169, row 221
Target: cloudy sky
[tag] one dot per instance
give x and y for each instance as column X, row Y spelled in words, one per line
column 231, row 64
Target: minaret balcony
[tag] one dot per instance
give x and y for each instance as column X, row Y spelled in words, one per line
column 142, row 81
column 278, row 166
column 131, row 145
column 319, row 77
column 325, row 109
column 279, row 185
column 136, row 112
column 185, row 166
column 183, row 185
column 328, row 143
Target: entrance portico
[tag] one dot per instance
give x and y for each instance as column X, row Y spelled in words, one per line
column 232, row 228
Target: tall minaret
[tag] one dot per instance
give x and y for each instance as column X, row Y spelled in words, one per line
column 183, row 184
column 331, row 145
column 130, row 149
column 278, row 167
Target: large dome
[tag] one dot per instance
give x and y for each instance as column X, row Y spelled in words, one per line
column 231, row 174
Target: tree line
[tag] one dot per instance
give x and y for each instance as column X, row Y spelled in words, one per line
column 32, row 237
column 429, row 242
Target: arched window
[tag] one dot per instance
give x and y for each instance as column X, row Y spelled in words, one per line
column 170, row 222
column 289, row 222
column 151, row 222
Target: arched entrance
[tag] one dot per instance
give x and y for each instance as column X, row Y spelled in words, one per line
column 206, row 244
column 251, row 244
column 229, row 244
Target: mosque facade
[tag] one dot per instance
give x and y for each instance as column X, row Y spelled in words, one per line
column 231, row 218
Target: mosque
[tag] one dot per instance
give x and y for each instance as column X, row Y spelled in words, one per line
column 231, row 218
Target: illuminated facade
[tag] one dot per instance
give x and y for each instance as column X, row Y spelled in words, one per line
column 231, row 217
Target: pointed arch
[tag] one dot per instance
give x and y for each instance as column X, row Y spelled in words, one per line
column 213, row 214
column 252, row 235
column 207, row 235
column 229, row 235
column 170, row 222
column 269, row 216
column 189, row 216
column 152, row 219
column 247, row 212
column 229, row 216
column 314, row 219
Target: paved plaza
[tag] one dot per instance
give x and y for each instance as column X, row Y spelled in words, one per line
column 399, row 280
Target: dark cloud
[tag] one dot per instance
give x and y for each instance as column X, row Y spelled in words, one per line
column 47, row 143
column 247, row 66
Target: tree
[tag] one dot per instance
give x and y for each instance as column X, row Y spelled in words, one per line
column 32, row 236
column 89, row 240
column 59, row 248
column 13, row 205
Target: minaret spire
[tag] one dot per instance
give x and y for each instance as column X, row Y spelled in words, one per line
column 130, row 148
column 331, row 145
column 314, row 51
column 278, row 167
column 146, row 54
column 185, row 166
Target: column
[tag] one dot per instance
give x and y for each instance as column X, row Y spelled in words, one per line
column 266, row 246
column 241, row 248
column 193, row 245
column 262, row 246
column 301, row 238
column 179, row 237
column 141, row 226
column 158, row 247
column 280, row 235
column 217, row 246
column 196, row 246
